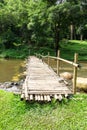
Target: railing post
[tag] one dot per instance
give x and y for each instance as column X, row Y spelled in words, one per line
column 75, row 73
column 48, row 58
column 58, row 62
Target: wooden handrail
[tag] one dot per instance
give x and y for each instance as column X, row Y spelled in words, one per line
column 61, row 59
column 74, row 64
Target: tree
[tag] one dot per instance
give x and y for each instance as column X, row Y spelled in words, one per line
column 41, row 22
column 58, row 17
column 13, row 22
column 78, row 18
column 38, row 24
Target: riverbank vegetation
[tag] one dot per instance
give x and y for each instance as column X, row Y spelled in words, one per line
column 67, row 115
column 41, row 26
column 67, row 48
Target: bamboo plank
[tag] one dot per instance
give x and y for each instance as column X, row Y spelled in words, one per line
column 49, row 92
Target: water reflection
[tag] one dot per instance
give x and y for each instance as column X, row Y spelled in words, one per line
column 9, row 68
column 82, row 72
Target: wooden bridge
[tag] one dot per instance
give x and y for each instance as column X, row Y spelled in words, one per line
column 42, row 83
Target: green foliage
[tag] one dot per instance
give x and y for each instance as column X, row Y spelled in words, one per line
column 19, row 52
column 67, row 47
column 66, row 115
column 22, row 51
column 40, row 23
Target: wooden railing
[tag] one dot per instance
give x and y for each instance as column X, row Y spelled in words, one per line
column 74, row 64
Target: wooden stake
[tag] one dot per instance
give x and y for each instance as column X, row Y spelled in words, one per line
column 22, row 96
column 60, row 97
column 55, row 96
column 48, row 98
column 75, row 73
column 41, row 97
column 45, row 97
column 31, row 97
column 58, row 62
column 36, row 98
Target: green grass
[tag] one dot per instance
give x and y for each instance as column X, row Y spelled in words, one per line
column 68, row 48
column 19, row 115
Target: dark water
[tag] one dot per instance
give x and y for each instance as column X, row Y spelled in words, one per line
column 10, row 69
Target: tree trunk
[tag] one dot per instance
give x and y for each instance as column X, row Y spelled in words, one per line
column 71, row 31
column 81, row 37
column 57, row 38
column 57, row 43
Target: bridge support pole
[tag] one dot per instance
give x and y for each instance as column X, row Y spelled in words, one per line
column 75, row 73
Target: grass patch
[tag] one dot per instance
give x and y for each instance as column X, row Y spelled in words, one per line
column 68, row 48
column 19, row 115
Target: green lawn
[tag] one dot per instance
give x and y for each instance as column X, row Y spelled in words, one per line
column 69, row 47
column 19, row 115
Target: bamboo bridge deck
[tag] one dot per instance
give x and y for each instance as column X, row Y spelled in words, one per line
column 42, row 83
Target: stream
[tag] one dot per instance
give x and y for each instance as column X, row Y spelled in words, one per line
column 10, row 69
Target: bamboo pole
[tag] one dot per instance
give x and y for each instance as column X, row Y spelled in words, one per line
column 36, row 98
column 75, row 73
column 48, row 98
column 58, row 61
column 45, row 97
column 48, row 58
column 31, row 97
column 22, row 96
column 61, row 59
column 26, row 89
